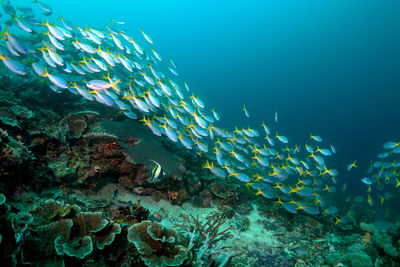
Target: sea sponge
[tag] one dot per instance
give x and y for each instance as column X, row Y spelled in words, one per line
column 158, row 246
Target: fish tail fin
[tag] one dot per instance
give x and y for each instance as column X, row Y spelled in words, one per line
column 46, row 23
column 98, row 49
column 45, row 74
column 4, row 33
column 114, row 85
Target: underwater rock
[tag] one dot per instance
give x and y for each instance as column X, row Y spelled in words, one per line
column 241, row 223
column 197, row 201
column 349, row 226
column 128, row 214
column 244, row 208
column 356, row 256
column 381, row 240
column 126, row 182
column 368, row 227
column 158, row 246
column 223, row 190
column 140, row 190
column 204, row 200
column 178, row 197
column 300, row 263
column 88, row 163
column 142, row 175
column 157, row 196
column 390, row 250
column 359, row 259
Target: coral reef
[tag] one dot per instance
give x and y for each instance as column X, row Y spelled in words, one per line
column 52, row 231
column 157, row 245
column 57, row 159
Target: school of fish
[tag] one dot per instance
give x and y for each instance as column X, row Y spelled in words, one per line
column 127, row 73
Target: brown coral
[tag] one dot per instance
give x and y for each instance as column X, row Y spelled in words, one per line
column 77, row 127
column 158, row 246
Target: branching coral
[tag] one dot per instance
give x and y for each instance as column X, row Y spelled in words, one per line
column 205, row 237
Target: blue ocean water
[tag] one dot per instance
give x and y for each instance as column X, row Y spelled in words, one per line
column 326, row 67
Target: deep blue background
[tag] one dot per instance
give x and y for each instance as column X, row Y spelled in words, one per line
column 327, row 67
